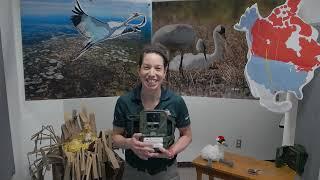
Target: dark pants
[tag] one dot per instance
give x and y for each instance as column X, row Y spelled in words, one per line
column 131, row 173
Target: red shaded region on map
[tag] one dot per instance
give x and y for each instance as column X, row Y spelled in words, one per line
column 283, row 36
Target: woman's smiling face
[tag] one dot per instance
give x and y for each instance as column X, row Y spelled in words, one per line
column 152, row 71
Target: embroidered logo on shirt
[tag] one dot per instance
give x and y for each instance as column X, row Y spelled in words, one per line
column 168, row 112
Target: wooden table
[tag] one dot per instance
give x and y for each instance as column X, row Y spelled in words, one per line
column 240, row 169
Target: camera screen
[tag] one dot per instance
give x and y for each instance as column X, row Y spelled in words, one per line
column 153, row 117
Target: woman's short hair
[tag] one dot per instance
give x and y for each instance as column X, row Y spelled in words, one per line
column 155, row 48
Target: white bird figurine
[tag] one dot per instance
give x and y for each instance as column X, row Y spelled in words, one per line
column 216, row 152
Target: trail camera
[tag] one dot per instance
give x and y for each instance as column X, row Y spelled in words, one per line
column 294, row 156
column 156, row 128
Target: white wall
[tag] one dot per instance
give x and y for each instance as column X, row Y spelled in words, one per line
column 210, row 117
column 243, row 119
column 25, row 117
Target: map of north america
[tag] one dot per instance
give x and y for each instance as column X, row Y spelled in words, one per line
column 282, row 53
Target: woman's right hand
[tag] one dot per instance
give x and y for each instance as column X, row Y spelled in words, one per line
column 141, row 149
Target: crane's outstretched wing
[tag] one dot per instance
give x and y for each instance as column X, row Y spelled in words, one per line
column 96, row 31
column 90, row 27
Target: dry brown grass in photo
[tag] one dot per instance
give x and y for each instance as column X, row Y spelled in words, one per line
column 223, row 78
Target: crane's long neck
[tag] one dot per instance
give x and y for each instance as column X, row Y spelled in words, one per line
column 220, row 147
column 218, row 48
column 129, row 19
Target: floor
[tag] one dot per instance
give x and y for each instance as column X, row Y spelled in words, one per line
column 190, row 174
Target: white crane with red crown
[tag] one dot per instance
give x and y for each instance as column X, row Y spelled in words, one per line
column 216, row 152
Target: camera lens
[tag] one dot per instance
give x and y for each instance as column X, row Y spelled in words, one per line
column 153, row 117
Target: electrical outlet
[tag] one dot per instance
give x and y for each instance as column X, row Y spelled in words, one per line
column 238, row 143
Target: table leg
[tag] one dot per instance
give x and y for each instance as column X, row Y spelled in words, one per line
column 211, row 177
column 199, row 174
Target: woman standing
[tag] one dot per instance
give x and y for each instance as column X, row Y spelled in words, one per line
column 142, row 161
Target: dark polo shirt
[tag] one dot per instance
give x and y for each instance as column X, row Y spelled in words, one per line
column 130, row 105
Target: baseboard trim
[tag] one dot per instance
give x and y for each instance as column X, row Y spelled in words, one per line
column 185, row 165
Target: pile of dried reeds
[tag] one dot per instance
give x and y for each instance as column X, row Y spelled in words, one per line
column 79, row 154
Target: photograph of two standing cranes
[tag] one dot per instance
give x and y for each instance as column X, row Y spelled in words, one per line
column 90, row 48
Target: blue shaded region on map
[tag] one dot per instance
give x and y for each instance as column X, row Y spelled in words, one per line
column 275, row 75
column 247, row 20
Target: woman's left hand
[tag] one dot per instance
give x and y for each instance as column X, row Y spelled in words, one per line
column 164, row 153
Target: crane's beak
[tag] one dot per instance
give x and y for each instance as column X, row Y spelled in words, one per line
column 222, row 32
column 224, row 144
column 223, row 35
